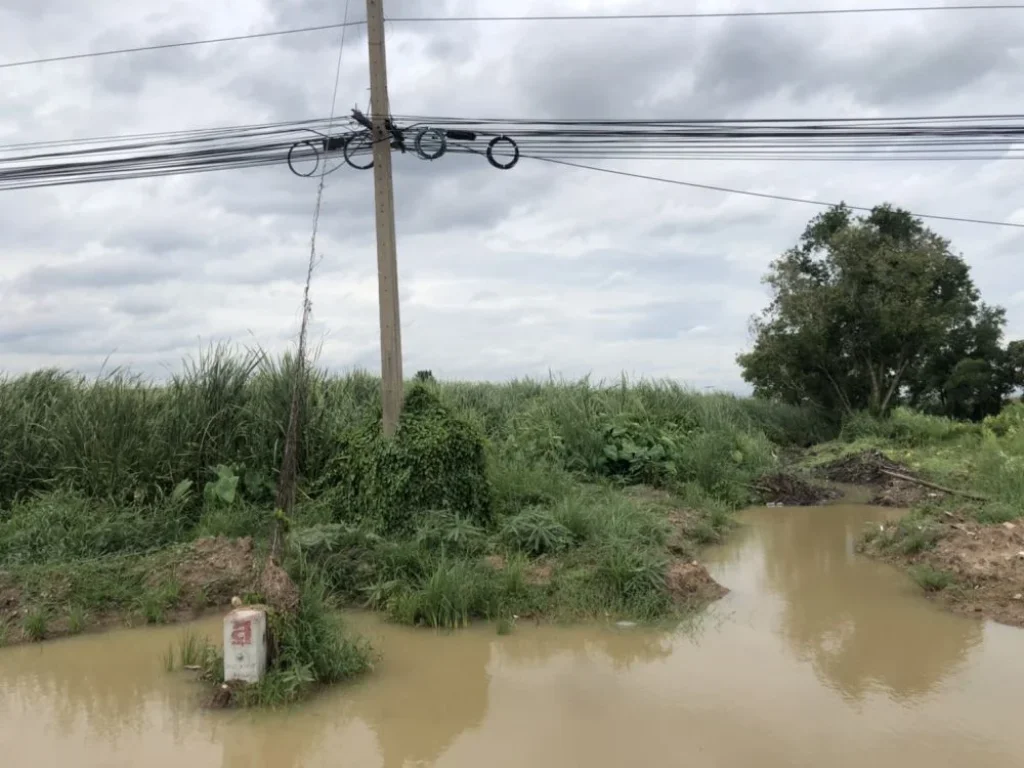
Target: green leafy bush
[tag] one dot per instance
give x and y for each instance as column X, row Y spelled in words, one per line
column 435, row 462
column 1009, row 421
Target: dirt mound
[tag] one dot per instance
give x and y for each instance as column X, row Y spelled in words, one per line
column 689, row 582
column 979, row 553
column 901, row 494
column 791, row 491
column 866, row 468
column 277, row 588
column 988, row 560
column 217, row 567
column 987, row 564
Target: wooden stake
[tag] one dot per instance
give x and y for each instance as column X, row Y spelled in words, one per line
column 391, row 381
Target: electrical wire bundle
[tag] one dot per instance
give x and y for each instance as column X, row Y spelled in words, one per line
column 910, row 138
column 55, row 163
column 304, row 145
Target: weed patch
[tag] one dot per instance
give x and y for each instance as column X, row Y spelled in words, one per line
column 931, row 579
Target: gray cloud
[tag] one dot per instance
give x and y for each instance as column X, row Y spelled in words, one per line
column 532, row 271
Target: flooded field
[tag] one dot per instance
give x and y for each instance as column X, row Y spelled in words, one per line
column 816, row 658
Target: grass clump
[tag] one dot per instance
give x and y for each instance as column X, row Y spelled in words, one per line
column 61, row 526
column 154, row 603
column 912, row 535
column 77, row 619
column 536, row 532
column 36, row 624
column 931, row 579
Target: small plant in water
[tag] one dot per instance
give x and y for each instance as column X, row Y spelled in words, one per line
column 168, row 659
column 36, row 624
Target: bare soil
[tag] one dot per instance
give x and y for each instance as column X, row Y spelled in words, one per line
column 217, row 567
column 792, row 491
column 866, row 468
column 209, row 571
column 277, row 588
column 689, row 582
column 987, row 562
column 681, row 523
column 904, row 495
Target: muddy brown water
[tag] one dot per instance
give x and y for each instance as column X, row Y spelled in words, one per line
column 817, row 657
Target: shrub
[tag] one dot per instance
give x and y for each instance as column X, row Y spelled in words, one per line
column 1009, row 421
column 999, row 469
column 913, row 428
column 435, row 462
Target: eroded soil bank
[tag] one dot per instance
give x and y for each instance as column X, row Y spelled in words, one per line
column 970, row 567
column 177, row 584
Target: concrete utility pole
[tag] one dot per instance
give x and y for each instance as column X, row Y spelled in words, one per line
column 391, row 381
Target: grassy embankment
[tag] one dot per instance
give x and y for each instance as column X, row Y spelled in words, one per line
column 553, row 499
column 964, row 547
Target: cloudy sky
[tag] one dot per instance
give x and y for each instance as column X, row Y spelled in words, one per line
column 503, row 274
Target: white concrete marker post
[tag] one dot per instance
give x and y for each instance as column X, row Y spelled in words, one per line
column 245, row 645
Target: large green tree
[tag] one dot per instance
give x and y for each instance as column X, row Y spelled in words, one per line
column 869, row 309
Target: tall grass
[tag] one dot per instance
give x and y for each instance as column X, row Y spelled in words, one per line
column 94, row 468
column 120, row 437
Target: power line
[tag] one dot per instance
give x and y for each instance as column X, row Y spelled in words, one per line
column 716, row 14
column 764, row 195
column 181, row 44
column 696, row 15
column 56, row 163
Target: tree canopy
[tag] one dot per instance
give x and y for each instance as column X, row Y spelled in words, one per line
column 868, row 311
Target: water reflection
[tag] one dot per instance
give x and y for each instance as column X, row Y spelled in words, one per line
column 115, row 691
column 430, row 689
column 806, row 619
column 857, row 621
